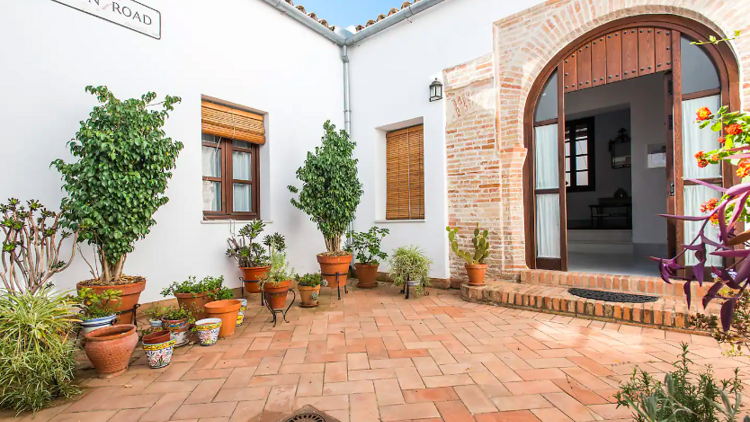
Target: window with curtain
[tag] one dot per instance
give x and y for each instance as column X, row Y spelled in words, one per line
column 405, row 174
column 230, row 141
column 579, row 155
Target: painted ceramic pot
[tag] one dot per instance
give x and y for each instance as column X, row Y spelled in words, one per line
column 208, row 330
column 180, row 330
column 159, row 355
column 241, row 315
column 96, row 323
column 155, row 323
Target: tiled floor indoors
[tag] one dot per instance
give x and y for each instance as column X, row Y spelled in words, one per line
column 375, row 356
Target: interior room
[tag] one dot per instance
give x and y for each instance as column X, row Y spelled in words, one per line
column 616, row 176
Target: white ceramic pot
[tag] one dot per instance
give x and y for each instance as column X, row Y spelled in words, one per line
column 93, row 324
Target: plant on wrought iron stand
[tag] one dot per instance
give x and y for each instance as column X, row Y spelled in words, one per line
column 250, row 255
column 410, row 267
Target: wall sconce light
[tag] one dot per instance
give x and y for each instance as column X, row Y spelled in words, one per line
column 436, row 90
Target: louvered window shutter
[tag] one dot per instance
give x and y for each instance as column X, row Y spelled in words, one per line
column 232, row 123
column 405, row 174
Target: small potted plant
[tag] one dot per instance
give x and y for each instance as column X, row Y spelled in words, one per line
column 194, row 294
column 178, row 322
column 113, row 211
column 409, row 265
column 277, row 282
column 250, row 255
column 366, row 247
column 330, row 195
column 96, row 309
column 309, row 289
column 475, row 265
column 154, row 316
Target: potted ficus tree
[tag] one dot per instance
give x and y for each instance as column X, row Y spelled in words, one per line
column 476, row 268
column 250, row 255
column 123, row 161
column 330, row 195
column 366, row 247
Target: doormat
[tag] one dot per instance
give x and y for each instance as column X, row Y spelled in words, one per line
column 612, row 296
column 309, row 414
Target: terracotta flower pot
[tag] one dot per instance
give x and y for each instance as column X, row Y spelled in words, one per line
column 157, row 337
column 179, row 329
column 367, row 276
column 333, row 265
column 251, row 276
column 192, row 301
column 109, row 349
column 308, row 296
column 276, row 295
column 227, row 311
column 476, row 273
column 129, row 298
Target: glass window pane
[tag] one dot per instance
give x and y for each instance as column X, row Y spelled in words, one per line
column 567, row 164
column 582, row 178
column 242, row 165
column 546, row 162
column 211, row 162
column 241, row 144
column 242, row 198
column 548, row 226
column 567, row 179
column 582, row 163
column 209, row 138
column 547, row 106
column 211, row 196
column 694, row 196
column 567, row 149
column 582, row 147
column 698, row 71
column 695, row 139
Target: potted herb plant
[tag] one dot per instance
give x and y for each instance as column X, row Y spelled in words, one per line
column 410, row 265
column 330, row 195
column 178, row 322
column 277, row 282
column 250, row 256
column 154, row 316
column 193, row 294
column 366, row 247
column 475, row 265
column 309, row 288
column 123, row 161
column 96, row 309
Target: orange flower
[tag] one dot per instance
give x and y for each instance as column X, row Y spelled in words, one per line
column 715, row 157
column 734, row 129
column 710, row 205
column 721, row 140
column 703, row 113
column 714, row 219
column 743, row 168
column 703, row 163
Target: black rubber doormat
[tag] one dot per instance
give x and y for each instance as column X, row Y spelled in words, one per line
column 612, row 296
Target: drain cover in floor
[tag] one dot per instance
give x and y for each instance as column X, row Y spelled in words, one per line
column 612, row 296
column 309, row 414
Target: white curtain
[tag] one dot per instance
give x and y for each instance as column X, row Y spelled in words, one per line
column 694, row 197
column 211, row 196
column 211, row 162
column 242, row 165
column 548, row 225
column 547, row 176
column 695, row 139
column 242, row 198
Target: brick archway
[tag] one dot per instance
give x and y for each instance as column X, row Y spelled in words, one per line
column 524, row 44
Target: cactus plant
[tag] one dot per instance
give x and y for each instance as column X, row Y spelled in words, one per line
column 480, row 242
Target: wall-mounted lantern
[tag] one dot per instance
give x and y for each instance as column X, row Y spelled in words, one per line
column 436, row 90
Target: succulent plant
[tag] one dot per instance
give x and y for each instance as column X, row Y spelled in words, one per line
column 480, row 242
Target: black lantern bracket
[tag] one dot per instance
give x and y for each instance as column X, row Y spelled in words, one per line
column 436, row 90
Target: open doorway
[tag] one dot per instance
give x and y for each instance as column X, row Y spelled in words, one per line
column 616, row 182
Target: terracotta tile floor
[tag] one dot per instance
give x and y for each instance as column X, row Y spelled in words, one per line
column 375, row 356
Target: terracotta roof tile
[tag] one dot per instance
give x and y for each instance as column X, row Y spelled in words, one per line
column 358, row 28
column 311, row 15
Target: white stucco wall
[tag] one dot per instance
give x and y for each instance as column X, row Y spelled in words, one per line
column 391, row 74
column 242, row 51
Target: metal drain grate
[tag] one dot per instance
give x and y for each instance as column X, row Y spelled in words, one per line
column 612, row 296
column 309, row 414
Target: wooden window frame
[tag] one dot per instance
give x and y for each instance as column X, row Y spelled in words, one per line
column 590, row 154
column 225, row 145
column 419, row 215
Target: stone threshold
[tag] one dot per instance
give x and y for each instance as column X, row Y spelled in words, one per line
column 666, row 313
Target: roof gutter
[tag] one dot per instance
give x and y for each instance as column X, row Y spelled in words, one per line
column 388, row 22
column 309, row 22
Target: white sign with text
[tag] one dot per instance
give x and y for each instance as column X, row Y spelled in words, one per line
column 127, row 13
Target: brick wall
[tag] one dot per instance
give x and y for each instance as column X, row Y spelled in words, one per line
column 484, row 136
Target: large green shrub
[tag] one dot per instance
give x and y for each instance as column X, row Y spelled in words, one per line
column 37, row 356
column 330, row 190
column 124, row 161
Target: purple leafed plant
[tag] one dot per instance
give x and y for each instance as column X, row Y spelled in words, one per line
column 728, row 213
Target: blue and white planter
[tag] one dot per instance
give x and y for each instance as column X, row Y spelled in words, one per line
column 155, row 323
column 241, row 314
column 93, row 324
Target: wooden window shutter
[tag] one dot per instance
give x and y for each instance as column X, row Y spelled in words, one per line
column 232, row 123
column 405, row 174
